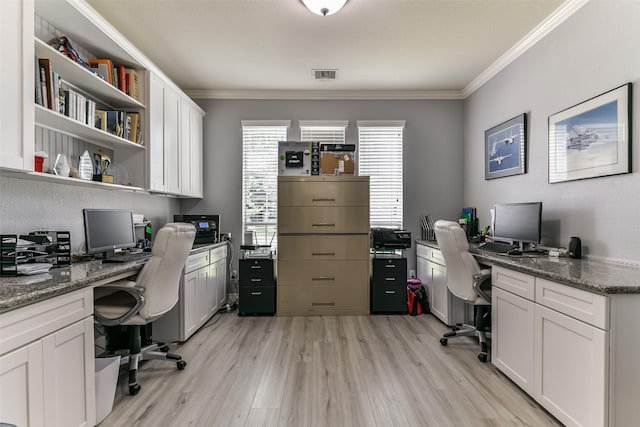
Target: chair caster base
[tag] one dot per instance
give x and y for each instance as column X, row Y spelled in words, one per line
column 483, row 357
column 134, row 389
column 181, row 364
column 164, row 349
column 444, row 341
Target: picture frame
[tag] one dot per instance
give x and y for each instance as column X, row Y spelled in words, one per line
column 505, row 148
column 592, row 139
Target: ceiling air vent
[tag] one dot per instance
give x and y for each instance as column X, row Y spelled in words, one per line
column 325, row 74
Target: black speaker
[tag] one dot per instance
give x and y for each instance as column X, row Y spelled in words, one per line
column 575, row 248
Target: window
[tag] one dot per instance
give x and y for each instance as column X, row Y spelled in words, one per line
column 326, row 132
column 260, row 178
column 380, row 158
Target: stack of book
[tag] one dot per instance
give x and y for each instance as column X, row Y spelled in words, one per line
column 76, row 106
column 47, row 85
column 124, row 124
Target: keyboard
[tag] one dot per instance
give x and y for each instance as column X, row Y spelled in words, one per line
column 497, row 247
column 137, row 256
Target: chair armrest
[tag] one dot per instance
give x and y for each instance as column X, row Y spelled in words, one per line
column 478, row 281
column 137, row 292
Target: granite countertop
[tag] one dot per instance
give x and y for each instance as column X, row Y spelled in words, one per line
column 590, row 275
column 19, row 291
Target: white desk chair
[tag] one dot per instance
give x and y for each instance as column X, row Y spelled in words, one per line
column 153, row 293
column 464, row 278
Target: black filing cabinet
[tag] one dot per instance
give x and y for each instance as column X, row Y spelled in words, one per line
column 389, row 285
column 257, row 287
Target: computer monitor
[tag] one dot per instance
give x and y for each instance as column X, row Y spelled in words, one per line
column 518, row 222
column 107, row 230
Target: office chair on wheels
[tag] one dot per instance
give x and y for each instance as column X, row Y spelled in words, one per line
column 153, row 293
column 464, row 280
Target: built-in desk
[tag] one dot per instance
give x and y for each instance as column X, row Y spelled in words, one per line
column 565, row 331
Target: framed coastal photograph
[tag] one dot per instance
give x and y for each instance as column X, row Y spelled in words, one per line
column 592, row 139
column 505, row 148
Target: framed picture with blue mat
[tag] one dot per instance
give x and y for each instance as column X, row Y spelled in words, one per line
column 505, row 148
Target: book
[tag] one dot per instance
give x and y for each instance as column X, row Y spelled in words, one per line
column 103, row 67
column 55, row 83
column 100, row 119
column 134, row 127
column 114, row 74
column 122, row 80
column 132, row 84
column 113, row 125
column 43, row 87
column 45, row 63
column 37, row 82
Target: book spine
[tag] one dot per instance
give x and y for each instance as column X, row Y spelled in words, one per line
column 37, row 82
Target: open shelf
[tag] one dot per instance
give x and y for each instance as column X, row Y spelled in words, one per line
column 47, row 177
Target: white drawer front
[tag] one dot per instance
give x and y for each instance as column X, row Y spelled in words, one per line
column 196, row 261
column 217, row 254
column 422, row 251
column 582, row 305
column 515, row 282
column 435, row 255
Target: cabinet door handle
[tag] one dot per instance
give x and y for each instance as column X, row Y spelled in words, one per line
column 323, row 303
column 390, row 279
column 323, row 224
column 256, row 267
column 323, row 278
column 390, row 292
column 256, row 293
column 323, row 199
column 323, row 253
column 256, row 280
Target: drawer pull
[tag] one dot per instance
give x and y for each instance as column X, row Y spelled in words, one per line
column 256, row 267
column 256, row 280
column 323, row 254
column 256, row 293
column 390, row 266
column 390, row 292
column 323, row 224
column 323, row 199
column 390, row 279
column 323, row 278
column 331, row 304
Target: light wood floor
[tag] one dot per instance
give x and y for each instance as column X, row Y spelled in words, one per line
column 325, row 371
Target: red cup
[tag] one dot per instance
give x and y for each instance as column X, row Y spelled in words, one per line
column 38, row 163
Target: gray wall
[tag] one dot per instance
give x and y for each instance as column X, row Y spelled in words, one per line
column 36, row 205
column 433, row 154
column 594, row 51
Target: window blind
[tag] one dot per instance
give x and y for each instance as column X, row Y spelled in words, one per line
column 324, row 132
column 380, row 158
column 260, row 181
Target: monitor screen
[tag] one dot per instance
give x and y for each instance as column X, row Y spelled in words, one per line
column 108, row 229
column 518, row 222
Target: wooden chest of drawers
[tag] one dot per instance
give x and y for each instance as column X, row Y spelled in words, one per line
column 323, row 245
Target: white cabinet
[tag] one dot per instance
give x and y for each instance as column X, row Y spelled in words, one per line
column 190, row 150
column 202, row 294
column 554, row 341
column 512, row 338
column 432, row 271
column 16, row 84
column 571, row 361
column 47, row 363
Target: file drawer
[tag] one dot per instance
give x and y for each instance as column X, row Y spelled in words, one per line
column 388, row 299
column 323, row 273
column 315, row 247
column 323, row 220
column 257, row 300
column 582, row 305
column 196, row 261
column 323, row 300
column 435, row 255
column 324, row 192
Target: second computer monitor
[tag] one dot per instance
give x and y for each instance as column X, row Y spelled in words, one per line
column 518, row 222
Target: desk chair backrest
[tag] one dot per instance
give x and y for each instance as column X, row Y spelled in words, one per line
column 461, row 265
column 161, row 274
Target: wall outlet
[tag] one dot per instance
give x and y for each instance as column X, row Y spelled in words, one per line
column 412, row 274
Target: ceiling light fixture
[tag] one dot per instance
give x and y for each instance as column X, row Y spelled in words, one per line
column 324, row 7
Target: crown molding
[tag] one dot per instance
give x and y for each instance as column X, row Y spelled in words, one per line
column 323, row 94
column 564, row 11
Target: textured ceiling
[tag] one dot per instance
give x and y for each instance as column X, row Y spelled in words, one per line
column 273, row 45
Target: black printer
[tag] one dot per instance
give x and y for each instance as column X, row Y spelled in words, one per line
column 389, row 238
